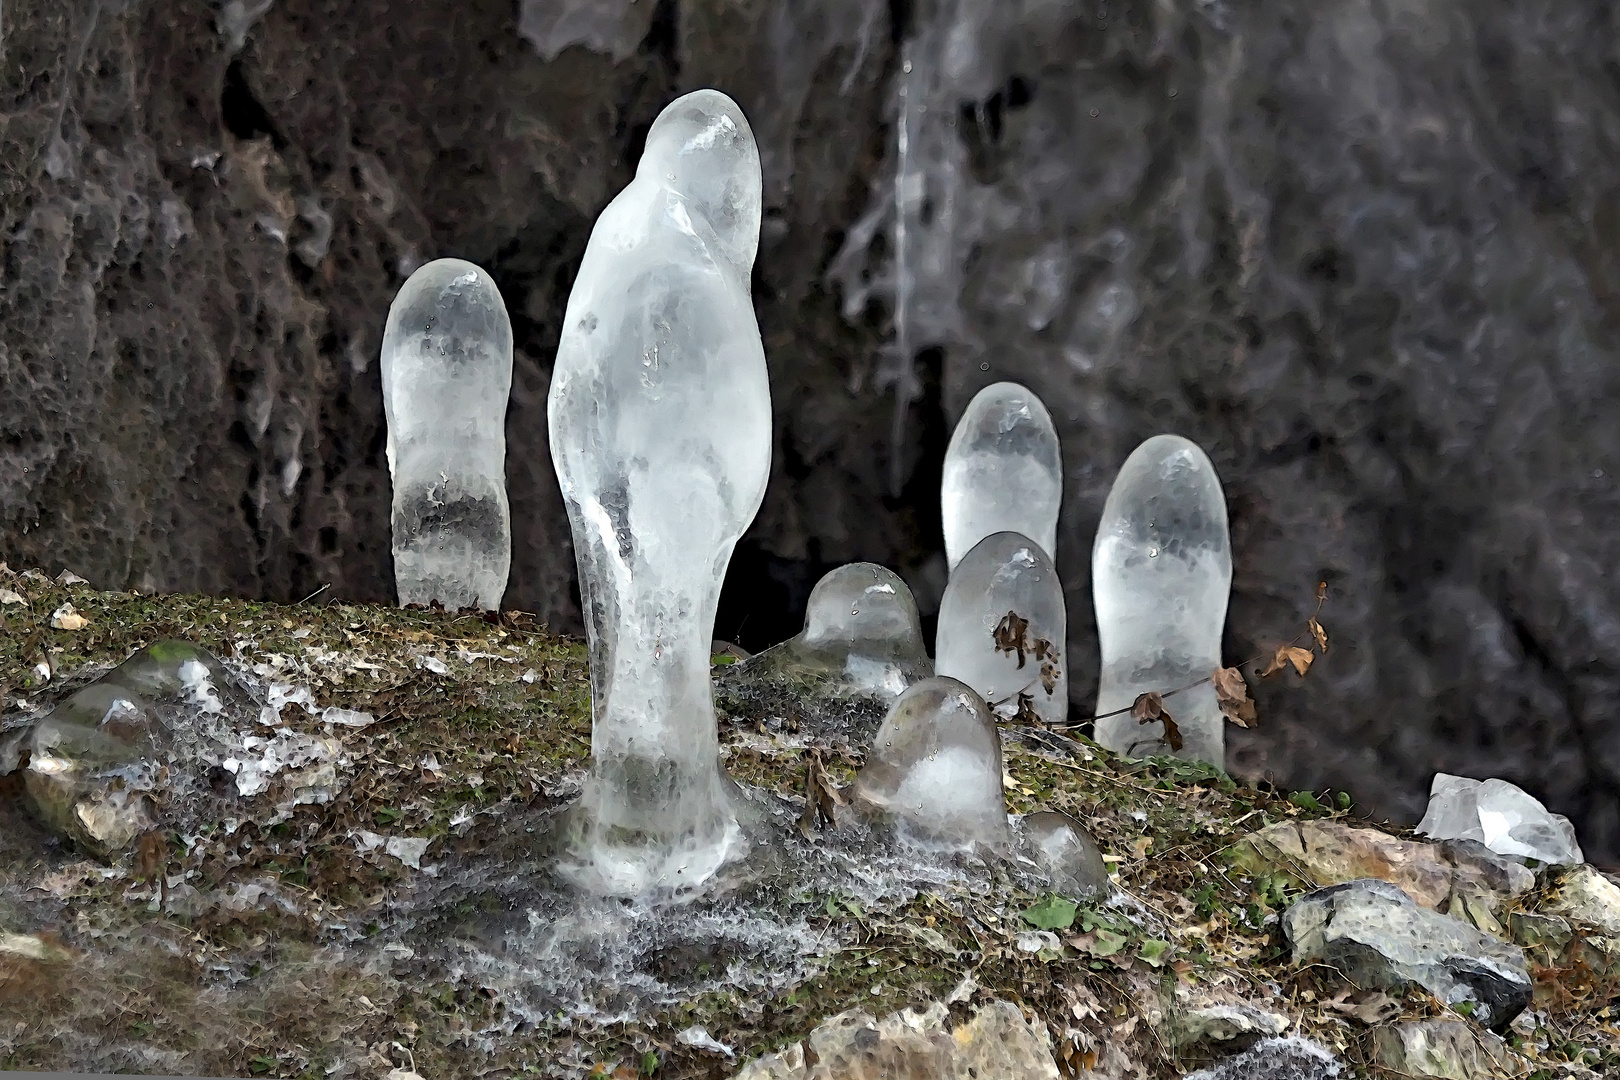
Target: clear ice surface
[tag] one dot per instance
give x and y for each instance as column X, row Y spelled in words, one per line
column 1006, row 572
column 1003, row 472
column 936, row 763
column 446, row 376
column 861, row 633
column 1161, row 572
column 1067, row 852
column 661, row 437
column 1499, row 815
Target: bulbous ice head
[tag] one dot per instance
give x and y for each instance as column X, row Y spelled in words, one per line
column 936, row 762
column 702, row 148
column 447, row 374
column 861, row 627
column 1003, row 627
column 863, row 606
column 1161, row 572
column 660, row 434
column 1067, row 852
column 1003, row 472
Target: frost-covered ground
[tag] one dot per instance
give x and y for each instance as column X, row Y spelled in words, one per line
column 411, row 916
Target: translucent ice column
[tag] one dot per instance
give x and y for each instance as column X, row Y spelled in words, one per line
column 661, row 436
column 1002, row 626
column 936, row 763
column 1003, row 472
column 446, row 376
column 1161, row 571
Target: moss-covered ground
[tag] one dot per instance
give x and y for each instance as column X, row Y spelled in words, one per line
column 491, row 714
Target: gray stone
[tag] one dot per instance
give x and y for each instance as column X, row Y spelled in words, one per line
column 915, row 1044
column 1378, row 936
column 1453, row 1049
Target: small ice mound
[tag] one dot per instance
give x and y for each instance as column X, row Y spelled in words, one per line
column 936, row 763
column 1003, row 628
column 1067, row 852
column 1501, row 816
column 1003, row 472
column 446, row 377
column 861, row 636
column 1161, row 572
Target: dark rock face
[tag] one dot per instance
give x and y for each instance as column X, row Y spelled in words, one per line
column 1362, row 253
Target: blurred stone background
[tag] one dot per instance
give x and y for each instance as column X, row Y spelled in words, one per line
column 1364, row 252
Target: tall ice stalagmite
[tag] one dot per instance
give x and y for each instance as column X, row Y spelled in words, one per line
column 1161, row 572
column 661, row 436
column 446, row 376
column 1003, row 472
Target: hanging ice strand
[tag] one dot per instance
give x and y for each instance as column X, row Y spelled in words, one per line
column 661, row 436
column 446, row 376
column 1161, row 572
column 1003, row 472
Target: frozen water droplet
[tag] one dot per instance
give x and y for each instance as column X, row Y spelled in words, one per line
column 446, row 377
column 1003, row 472
column 1159, row 622
column 940, row 766
column 1068, row 853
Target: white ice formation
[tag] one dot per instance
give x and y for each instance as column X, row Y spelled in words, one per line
column 1501, row 816
column 1067, row 852
column 1002, row 627
column 1161, row 571
column 861, row 635
column 1003, row 472
column 446, row 376
column 935, row 763
column 661, row 436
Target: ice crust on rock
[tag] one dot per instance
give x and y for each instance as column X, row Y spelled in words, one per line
column 1006, row 572
column 1003, row 472
column 861, row 635
column 1067, row 852
column 1161, row 574
column 661, row 437
column 1499, row 815
column 936, row 763
column 446, row 377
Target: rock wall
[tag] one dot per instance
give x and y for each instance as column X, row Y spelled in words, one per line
column 1362, row 252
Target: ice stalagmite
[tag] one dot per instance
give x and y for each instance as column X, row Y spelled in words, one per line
column 1002, row 626
column 861, row 636
column 1161, row 571
column 936, row 764
column 446, row 376
column 1003, row 472
column 661, row 436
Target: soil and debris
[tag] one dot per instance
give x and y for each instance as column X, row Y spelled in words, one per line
column 310, row 941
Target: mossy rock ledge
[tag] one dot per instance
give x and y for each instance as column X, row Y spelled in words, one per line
column 297, row 931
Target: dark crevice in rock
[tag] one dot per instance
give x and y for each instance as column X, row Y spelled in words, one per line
column 242, row 113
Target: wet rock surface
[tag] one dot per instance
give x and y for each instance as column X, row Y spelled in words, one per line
column 1453, row 1049
column 1363, row 253
column 1377, row 936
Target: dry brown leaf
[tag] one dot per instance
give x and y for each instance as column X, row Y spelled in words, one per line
column 821, row 796
column 65, row 618
column 1233, row 695
column 1150, row 707
column 1372, row 1009
column 1318, row 633
column 1289, row 654
column 1011, row 635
